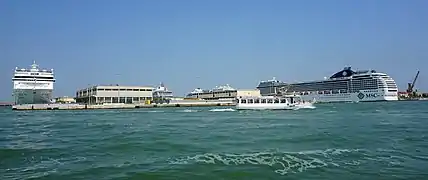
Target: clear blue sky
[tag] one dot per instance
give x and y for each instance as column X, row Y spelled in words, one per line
column 204, row 43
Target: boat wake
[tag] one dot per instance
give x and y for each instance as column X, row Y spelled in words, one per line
column 282, row 162
column 188, row 110
column 222, row 110
column 305, row 106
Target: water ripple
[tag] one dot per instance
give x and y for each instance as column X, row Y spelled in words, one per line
column 333, row 141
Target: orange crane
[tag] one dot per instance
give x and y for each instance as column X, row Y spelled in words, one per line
column 410, row 87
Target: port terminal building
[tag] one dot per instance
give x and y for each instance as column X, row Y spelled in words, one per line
column 101, row 94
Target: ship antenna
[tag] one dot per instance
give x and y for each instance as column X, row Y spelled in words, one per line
column 34, row 65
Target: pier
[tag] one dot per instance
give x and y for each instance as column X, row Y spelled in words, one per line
column 3, row 104
column 120, row 105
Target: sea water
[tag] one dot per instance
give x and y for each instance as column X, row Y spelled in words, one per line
column 379, row 140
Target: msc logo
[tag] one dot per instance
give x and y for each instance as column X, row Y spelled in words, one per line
column 360, row 95
column 370, row 95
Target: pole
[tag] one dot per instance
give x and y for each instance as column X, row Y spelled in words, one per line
column 118, row 90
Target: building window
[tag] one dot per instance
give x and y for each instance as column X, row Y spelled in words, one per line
column 129, row 100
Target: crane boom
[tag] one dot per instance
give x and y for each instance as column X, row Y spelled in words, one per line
column 414, row 80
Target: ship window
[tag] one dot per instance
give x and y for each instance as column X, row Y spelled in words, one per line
column 269, row 101
column 264, row 101
column 283, row 101
column 250, row 101
column 31, row 77
column 276, row 101
column 256, row 100
column 243, row 101
column 135, row 90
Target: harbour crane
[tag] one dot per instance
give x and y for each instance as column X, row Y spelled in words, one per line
column 410, row 87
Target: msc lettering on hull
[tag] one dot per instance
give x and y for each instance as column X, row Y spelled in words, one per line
column 371, row 95
column 367, row 95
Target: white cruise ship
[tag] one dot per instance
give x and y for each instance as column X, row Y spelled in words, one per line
column 344, row 86
column 33, row 86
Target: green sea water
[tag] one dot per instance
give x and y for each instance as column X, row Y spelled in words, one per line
column 379, row 140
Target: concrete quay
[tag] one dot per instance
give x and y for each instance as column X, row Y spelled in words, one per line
column 119, row 105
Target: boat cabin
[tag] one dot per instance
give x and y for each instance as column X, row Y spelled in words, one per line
column 267, row 100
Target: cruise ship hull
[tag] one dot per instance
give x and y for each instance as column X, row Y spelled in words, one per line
column 351, row 97
column 30, row 96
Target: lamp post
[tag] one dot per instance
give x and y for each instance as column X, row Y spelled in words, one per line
column 118, row 90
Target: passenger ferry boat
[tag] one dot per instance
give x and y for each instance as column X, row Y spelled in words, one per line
column 287, row 102
column 33, row 86
column 344, row 86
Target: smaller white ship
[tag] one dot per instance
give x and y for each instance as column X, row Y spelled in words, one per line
column 196, row 92
column 219, row 92
column 162, row 91
column 289, row 102
column 162, row 95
